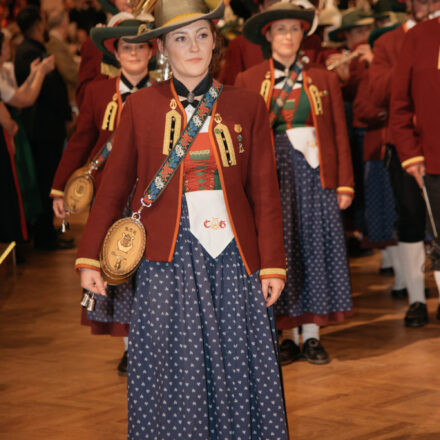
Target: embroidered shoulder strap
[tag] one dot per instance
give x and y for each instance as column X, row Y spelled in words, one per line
column 102, row 155
column 284, row 94
column 182, row 146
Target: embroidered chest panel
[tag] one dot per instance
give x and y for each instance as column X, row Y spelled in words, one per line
column 296, row 111
column 200, row 167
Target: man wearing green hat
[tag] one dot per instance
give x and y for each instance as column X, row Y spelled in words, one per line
column 356, row 25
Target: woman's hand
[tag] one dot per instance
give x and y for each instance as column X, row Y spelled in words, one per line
column 344, row 201
column 92, row 280
column 58, row 207
column 272, row 288
column 48, row 64
column 35, row 64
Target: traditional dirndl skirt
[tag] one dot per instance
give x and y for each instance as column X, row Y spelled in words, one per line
column 202, row 357
column 380, row 212
column 318, row 282
column 112, row 312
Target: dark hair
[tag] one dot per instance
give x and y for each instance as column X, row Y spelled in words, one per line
column 27, row 18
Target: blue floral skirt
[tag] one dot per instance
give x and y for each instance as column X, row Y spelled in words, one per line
column 115, row 306
column 112, row 311
column 318, row 283
column 202, row 360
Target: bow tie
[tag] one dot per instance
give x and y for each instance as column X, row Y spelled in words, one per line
column 188, row 97
column 286, row 70
column 125, row 95
column 194, row 103
column 141, row 84
column 280, row 79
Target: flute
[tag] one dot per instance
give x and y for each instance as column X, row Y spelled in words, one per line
column 346, row 59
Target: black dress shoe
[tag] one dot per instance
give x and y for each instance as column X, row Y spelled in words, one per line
column 399, row 293
column 122, row 367
column 417, row 315
column 289, row 352
column 355, row 250
column 403, row 293
column 386, row 271
column 314, row 352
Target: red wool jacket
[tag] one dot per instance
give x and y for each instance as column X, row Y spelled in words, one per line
column 240, row 55
column 250, row 187
column 89, row 69
column 89, row 136
column 324, row 92
column 386, row 53
column 416, row 94
column 375, row 119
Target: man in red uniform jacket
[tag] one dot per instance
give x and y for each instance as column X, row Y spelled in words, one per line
column 408, row 200
column 414, row 117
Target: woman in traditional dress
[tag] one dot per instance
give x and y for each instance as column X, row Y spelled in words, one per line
column 202, row 357
column 99, row 116
column 315, row 177
column 13, row 226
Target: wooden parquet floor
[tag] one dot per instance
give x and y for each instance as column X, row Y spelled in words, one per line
column 57, row 382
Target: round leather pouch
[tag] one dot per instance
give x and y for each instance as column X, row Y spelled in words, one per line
column 122, row 250
column 79, row 191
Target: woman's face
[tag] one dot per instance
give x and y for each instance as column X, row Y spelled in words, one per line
column 189, row 50
column 133, row 57
column 285, row 37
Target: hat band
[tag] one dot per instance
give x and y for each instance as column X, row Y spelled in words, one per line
column 181, row 18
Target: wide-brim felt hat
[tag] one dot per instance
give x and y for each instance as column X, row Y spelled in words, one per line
column 108, row 6
column 105, row 36
column 383, row 8
column 376, row 33
column 254, row 28
column 170, row 15
column 351, row 18
column 330, row 16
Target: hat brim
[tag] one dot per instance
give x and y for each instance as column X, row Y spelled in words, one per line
column 215, row 14
column 108, row 6
column 336, row 34
column 253, row 28
column 376, row 33
column 102, row 35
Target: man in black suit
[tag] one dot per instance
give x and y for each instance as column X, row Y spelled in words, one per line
column 45, row 121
